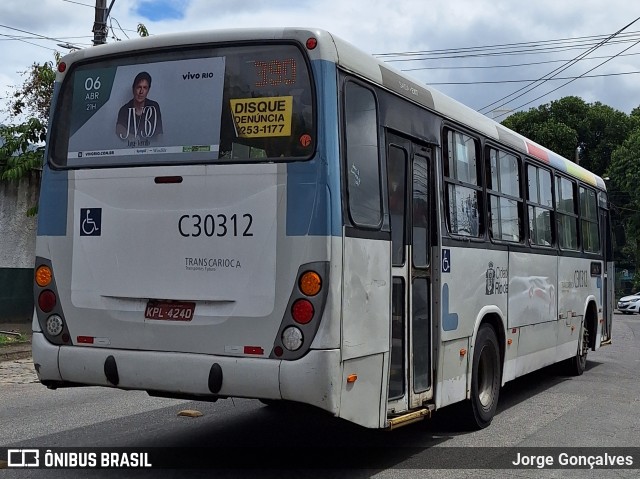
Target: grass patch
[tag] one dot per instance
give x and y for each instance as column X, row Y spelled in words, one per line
column 7, row 339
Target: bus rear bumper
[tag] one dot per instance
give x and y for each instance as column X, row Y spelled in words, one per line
column 308, row 380
column 45, row 358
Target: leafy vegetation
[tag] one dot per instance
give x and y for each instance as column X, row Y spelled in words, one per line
column 8, row 339
column 605, row 141
column 22, row 144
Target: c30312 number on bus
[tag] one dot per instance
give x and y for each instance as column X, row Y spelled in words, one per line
column 219, row 225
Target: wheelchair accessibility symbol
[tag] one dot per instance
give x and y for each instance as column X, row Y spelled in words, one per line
column 90, row 221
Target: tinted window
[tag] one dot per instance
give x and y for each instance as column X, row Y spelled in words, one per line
column 229, row 104
column 540, row 199
column 505, row 205
column 589, row 220
column 363, row 173
column 461, row 171
column 566, row 207
column 396, row 174
column 420, row 211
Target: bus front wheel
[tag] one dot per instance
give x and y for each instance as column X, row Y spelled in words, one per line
column 485, row 379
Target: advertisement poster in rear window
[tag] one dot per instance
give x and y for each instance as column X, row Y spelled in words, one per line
column 161, row 112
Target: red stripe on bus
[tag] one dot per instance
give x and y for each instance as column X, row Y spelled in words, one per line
column 538, row 152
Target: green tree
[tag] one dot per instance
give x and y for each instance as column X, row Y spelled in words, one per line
column 605, row 130
column 624, row 174
column 556, row 125
column 22, row 151
column 569, row 123
column 34, row 96
column 608, row 142
column 22, row 144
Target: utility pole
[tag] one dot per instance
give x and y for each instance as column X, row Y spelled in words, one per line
column 100, row 23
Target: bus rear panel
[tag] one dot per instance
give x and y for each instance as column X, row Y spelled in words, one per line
column 189, row 244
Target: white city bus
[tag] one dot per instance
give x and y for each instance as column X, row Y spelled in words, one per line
column 274, row 214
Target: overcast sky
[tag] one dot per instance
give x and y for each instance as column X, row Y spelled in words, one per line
column 486, row 47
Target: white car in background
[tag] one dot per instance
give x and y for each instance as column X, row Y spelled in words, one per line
column 630, row 304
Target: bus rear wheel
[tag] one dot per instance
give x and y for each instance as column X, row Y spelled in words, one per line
column 578, row 363
column 485, row 379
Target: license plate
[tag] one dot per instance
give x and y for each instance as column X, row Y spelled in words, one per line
column 170, row 310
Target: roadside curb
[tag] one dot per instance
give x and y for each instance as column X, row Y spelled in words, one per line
column 14, row 352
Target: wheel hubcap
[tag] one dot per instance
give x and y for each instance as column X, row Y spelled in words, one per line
column 486, row 374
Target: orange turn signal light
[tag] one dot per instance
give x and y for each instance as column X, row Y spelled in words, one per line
column 43, row 276
column 351, row 378
column 310, row 283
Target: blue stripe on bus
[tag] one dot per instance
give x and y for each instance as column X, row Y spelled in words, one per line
column 449, row 320
column 52, row 206
column 313, row 187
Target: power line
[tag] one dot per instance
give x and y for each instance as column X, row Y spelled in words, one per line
column 35, row 44
column 17, row 37
column 580, row 41
column 120, row 27
column 555, row 72
column 512, row 65
column 523, row 81
column 625, row 208
column 570, row 81
column 538, row 47
column 482, row 54
column 31, row 33
column 79, row 3
column 33, row 37
column 113, row 33
column 23, row 40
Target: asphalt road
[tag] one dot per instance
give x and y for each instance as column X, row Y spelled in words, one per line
column 545, row 409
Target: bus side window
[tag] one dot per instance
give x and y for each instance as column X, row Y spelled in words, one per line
column 505, row 200
column 589, row 220
column 463, row 188
column 363, row 171
column 540, row 205
column 566, row 207
column 396, row 174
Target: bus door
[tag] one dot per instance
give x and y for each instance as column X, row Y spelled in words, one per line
column 410, row 211
column 609, row 274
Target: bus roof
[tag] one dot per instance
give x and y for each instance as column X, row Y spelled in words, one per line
column 358, row 62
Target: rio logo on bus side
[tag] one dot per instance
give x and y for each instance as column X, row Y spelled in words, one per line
column 497, row 280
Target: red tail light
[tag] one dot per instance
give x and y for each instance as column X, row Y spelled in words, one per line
column 302, row 311
column 47, row 300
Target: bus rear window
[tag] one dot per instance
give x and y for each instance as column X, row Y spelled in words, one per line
column 204, row 105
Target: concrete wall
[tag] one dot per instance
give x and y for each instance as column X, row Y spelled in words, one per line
column 17, row 248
